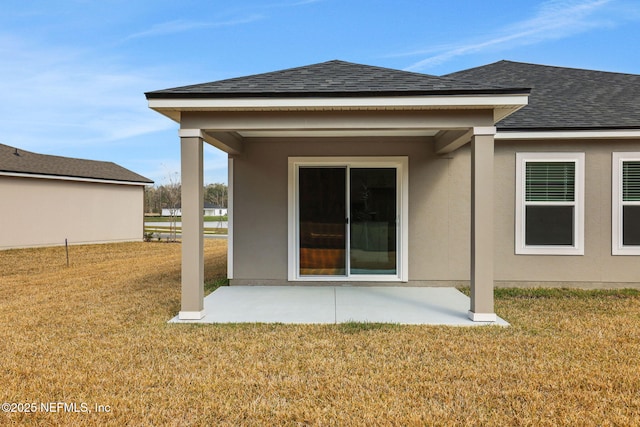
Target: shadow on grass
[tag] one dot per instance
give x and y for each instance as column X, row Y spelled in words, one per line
column 560, row 293
column 212, row 285
column 564, row 293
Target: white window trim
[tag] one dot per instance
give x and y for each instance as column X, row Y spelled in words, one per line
column 578, row 232
column 617, row 247
column 401, row 163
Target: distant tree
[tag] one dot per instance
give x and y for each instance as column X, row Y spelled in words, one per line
column 152, row 202
column 170, row 196
column 216, row 194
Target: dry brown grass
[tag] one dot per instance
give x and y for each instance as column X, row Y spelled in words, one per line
column 96, row 333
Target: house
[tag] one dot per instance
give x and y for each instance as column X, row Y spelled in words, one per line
column 510, row 174
column 171, row 211
column 209, row 209
column 49, row 199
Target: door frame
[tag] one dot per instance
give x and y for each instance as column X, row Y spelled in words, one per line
column 401, row 164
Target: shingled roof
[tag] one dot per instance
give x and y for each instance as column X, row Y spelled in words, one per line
column 14, row 160
column 564, row 98
column 334, row 79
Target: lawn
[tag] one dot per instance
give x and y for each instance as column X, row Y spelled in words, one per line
column 95, row 335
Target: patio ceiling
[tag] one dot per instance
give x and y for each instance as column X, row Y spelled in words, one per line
column 446, row 120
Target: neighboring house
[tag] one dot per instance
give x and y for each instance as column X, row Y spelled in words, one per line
column 47, row 199
column 214, row 210
column 510, row 174
column 171, row 211
column 209, row 209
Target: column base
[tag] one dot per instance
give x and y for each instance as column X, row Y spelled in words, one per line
column 191, row 315
column 482, row 317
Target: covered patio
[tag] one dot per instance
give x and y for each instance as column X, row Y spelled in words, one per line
column 343, row 117
column 338, row 304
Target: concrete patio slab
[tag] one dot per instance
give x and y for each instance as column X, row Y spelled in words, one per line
column 337, row 304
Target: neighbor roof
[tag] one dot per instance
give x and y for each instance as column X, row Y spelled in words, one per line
column 15, row 160
column 334, row 79
column 564, row 98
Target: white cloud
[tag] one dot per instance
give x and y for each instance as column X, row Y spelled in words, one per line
column 77, row 102
column 180, row 26
column 555, row 19
column 68, row 96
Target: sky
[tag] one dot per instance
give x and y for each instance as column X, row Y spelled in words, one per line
column 73, row 73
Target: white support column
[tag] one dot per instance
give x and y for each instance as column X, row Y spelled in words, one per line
column 482, row 144
column 191, row 150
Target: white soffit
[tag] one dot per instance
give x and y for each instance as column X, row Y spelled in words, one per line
column 337, row 133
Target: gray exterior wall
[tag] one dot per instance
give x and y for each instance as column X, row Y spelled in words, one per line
column 439, row 212
column 260, row 205
column 597, row 267
column 43, row 212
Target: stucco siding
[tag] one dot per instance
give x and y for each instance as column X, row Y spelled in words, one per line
column 45, row 212
column 597, row 265
column 260, row 212
column 439, row 212
column 260, row 205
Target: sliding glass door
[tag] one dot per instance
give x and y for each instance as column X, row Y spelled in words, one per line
column 347, row 221
column 322, row 221
column 373, row 213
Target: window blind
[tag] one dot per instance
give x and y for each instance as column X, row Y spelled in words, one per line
column 550, row 182
column 631, row 181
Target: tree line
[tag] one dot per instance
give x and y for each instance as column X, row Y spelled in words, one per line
column 168, row 196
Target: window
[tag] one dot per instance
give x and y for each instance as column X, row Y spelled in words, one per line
column 550, row 203
column 625, row 204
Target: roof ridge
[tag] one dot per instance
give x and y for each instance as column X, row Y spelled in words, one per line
column 21, row 150
column 266, row 73
column 334, row 78
column 458, row 79
column 15, row 148
column 557, row 67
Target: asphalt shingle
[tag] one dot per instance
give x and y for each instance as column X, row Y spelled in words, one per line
column 15, row 160
column 333, row 78
column 560, row 98
column 564, row 98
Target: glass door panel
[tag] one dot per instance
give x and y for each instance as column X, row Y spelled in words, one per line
column 322, row 221
column 373, row 214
